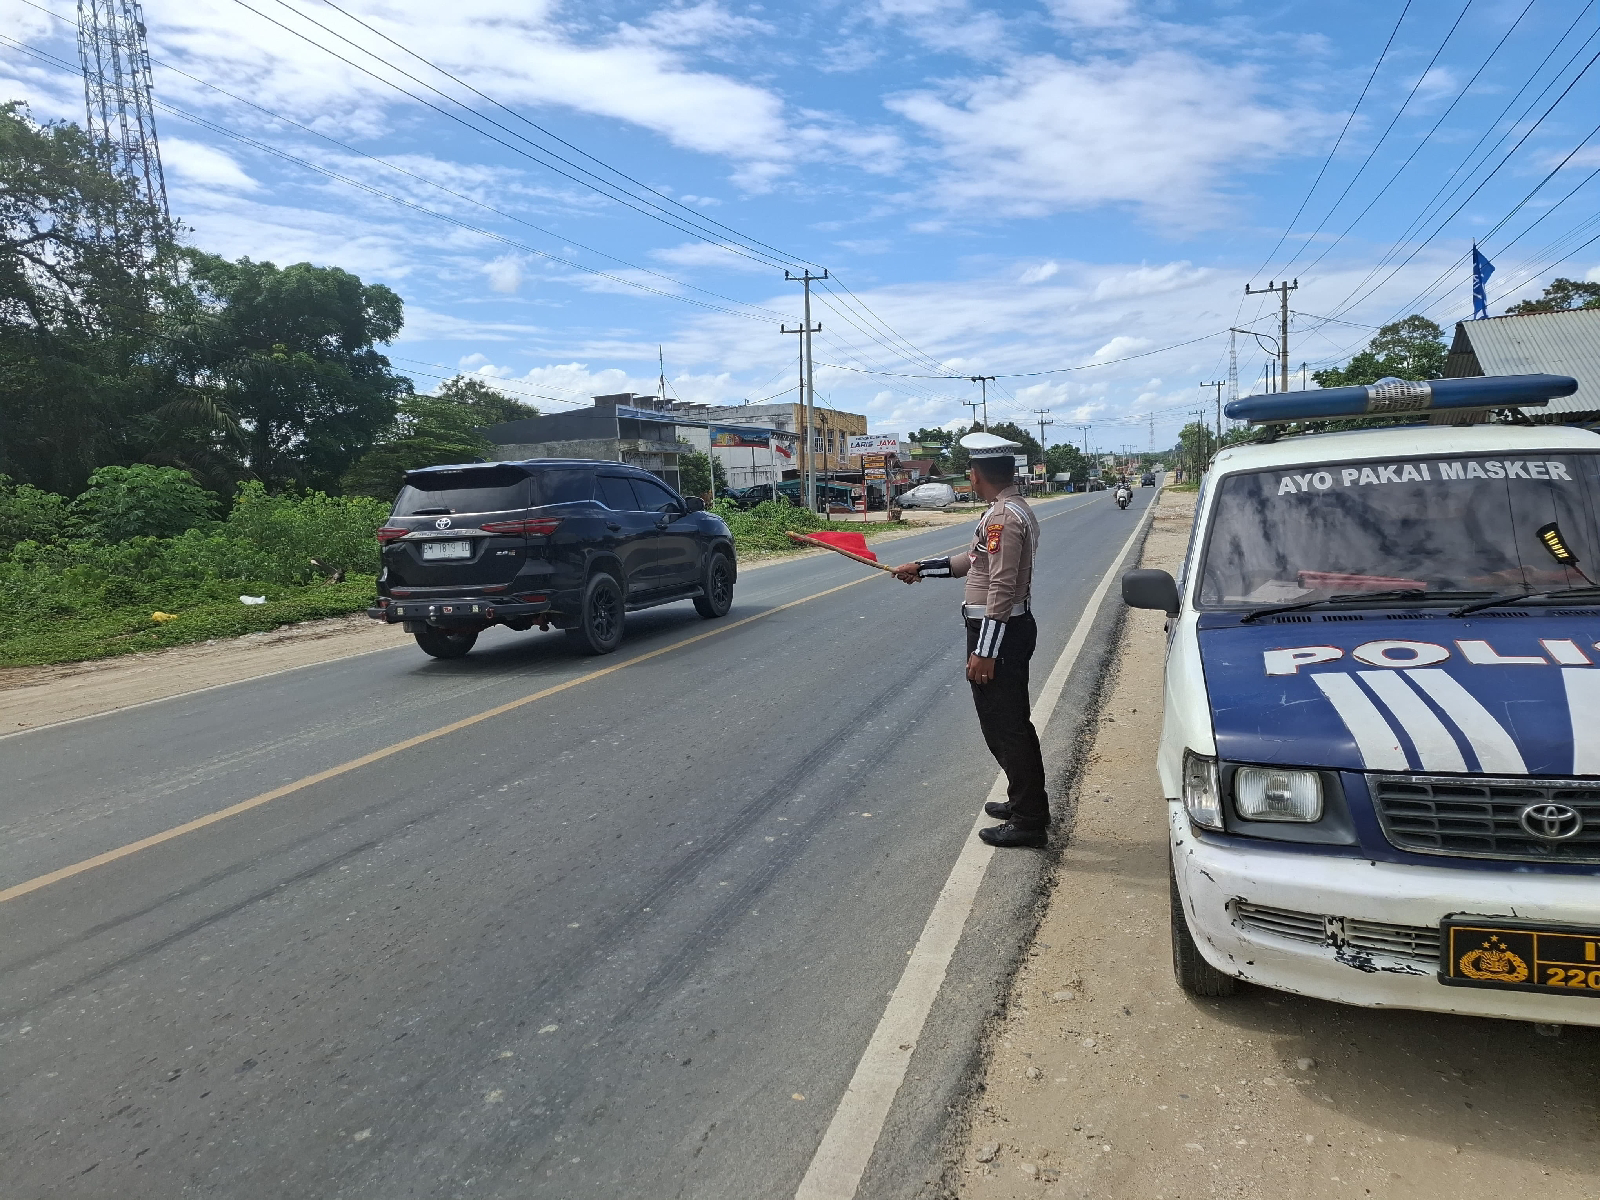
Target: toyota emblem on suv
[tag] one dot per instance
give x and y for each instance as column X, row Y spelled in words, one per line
column 1552, row 822
column 442, row 523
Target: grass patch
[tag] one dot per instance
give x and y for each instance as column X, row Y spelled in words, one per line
column 83, row 635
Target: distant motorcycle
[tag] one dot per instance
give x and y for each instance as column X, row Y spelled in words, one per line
column 1124, row 495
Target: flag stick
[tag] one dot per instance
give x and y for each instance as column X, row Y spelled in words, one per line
column 806, row 541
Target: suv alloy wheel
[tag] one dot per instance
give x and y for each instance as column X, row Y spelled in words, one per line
column 599, row 628
column 718, row 588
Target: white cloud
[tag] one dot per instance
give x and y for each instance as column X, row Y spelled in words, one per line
column 205, row 166
column 1091, row 13
column 705, row 254
column 1159, row 132
column 1040, row 272
column 504, row 274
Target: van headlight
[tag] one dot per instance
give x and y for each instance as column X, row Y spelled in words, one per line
column 1202, row 796
column 1271, row 794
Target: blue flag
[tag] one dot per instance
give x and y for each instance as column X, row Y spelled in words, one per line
column 1482, row 268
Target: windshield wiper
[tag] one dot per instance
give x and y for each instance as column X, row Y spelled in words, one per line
column 1356, row 598
column 1521, row 598
column 1345, row 598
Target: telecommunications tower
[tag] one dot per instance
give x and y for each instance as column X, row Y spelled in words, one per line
column 117, row 92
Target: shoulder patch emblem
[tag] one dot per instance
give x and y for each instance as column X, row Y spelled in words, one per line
column 991, row 538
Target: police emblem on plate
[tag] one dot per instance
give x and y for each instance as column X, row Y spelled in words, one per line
column 1493, row 961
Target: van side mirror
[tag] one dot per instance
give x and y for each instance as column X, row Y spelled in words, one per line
column 693, row 504
column 1145, row 588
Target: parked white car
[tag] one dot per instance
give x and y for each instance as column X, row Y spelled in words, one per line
column 1380, row 749
column 928, row 495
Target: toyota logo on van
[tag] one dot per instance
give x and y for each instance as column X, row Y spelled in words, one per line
column 442, row 523
column 1552, row 822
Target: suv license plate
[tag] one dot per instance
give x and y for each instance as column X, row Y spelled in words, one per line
column 433, row 550
column 1520, row 956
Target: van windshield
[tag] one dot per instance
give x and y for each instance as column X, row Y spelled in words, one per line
column 490, row 489
column 1468, row 523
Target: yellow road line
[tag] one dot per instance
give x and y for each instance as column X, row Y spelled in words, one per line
column 233, row 810
column 27, row 887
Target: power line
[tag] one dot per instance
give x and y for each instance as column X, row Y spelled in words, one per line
column 1383, row 189
column 1337, row 141
column 1383, row 137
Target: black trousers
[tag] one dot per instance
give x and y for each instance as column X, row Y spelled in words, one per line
column 1003, row 716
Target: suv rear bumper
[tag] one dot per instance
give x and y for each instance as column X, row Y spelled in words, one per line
column 449, row 613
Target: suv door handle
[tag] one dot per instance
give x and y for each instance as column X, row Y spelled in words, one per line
column 613, row 526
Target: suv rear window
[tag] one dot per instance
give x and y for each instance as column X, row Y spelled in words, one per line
column 490, row 489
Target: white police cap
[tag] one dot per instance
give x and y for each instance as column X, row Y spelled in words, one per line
column 989, row 445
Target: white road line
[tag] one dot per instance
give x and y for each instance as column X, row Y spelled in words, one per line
column 847, row 1145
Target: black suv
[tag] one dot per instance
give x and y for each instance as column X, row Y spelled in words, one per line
column 572, row 543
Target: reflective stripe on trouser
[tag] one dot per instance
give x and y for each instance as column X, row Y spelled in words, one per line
column 1002, row 706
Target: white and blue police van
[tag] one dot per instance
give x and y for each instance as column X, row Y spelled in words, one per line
column 1381, row 743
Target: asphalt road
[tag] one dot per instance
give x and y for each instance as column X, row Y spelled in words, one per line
column 627, row 938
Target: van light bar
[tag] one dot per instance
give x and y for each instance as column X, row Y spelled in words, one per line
column 1391, row 396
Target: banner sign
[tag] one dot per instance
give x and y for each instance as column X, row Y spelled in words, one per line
column 874, row 443
column 724, row 437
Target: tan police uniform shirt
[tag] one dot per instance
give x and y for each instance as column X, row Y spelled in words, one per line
column 998, row 567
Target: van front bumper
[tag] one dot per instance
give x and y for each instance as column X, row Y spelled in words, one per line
column 1360, row 932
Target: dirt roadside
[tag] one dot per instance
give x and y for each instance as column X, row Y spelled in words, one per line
column 32, row 697
column 1106, row 1080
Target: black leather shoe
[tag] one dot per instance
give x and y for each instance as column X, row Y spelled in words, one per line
column 1000, row 810
column 1009, row 835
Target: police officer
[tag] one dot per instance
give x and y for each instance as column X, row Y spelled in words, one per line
column 1001, row 634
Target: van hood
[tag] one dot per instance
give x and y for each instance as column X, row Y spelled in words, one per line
column 1512, row 693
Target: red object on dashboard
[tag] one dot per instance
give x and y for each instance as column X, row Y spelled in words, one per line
column 1333, row 581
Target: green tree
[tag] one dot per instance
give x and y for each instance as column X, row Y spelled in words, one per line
column 141, row 501
column 1066, row 459
column 28, row 514
column 291, row 355
column 429, row 430
column 696, row 470
column 1411, row 348
column 1560, row 295
column 77, row 312
column 487, row 405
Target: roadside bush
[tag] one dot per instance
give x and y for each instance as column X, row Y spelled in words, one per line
column 763, row 528
column 289, row 531
column 141, row 501
column 29, row 514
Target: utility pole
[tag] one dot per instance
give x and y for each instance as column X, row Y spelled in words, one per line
column 661, row 379
column 1218, row 384
column 1233, row 364
column 808, row 379
column 1302, row 377
column 1044, row 419
column 1283, row 289
column 984, row 381
column 973, row 405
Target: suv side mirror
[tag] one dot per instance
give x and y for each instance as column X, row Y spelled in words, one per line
column 1145, row 588
column 693, row 504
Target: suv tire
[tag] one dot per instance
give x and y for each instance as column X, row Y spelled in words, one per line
column 1195, row 975
column 599, row 627
column 718, row 598
column 443, row 644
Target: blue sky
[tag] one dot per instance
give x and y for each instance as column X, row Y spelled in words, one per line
column 1003, row 189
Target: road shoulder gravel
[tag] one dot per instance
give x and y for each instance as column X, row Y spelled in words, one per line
column 1103, row 1079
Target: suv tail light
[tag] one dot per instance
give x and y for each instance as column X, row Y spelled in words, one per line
column 536, row 526
column 389, row 533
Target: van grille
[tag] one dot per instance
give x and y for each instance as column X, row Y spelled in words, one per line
column 1418, row 943
column 1475, row 817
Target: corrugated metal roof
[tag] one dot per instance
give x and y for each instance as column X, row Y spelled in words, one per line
column 1557, row 343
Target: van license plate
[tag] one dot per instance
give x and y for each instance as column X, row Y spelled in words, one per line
column 1521, row 956
column 433, row 550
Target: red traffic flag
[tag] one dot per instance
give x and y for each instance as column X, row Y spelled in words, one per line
column 853, row 542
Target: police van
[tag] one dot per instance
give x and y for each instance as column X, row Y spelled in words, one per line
column 1381, row 747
